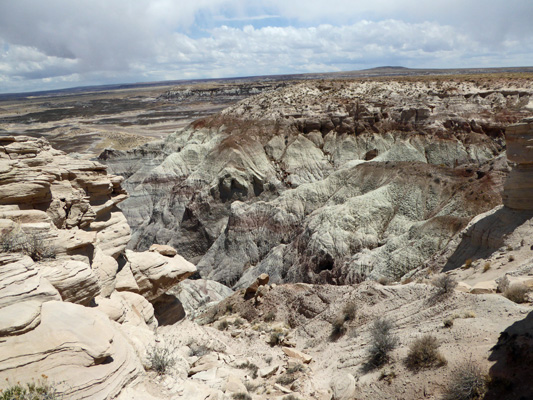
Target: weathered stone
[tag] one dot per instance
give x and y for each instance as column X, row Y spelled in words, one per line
column 343, row 386
column 155, row 273
column 164, row 249
column 293, row 353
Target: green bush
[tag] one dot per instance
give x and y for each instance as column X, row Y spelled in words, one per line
column 424, row 353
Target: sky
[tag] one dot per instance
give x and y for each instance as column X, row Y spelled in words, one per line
column 53, row 44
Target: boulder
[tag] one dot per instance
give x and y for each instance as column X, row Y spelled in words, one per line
column 155, row 273
column 343, row 386
column 164, row 249
column 252, row 289
column 293, row 353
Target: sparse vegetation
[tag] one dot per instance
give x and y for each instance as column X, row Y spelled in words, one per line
column 161, row 358
column 387, row 376
column 286, row 379
column 270, row 316
column 486, row 266
column 349, row 311
column 424, row 353
column 503, row 284
column 241, row 396
column 276, row 338
column 223, row 325
column 516, row 292
column 467, row 382
column 337, row 328
column 40, row 390
column 511, row 258
column 290, row 397
column 238, row 323
column 469, row 314
column 448, row 322
column 31, row 244
column 250, row 367
column 382, row 342
column 384, row 280
column 199, row 350
column 295, row 368
column 445, row 284
column 468, row 263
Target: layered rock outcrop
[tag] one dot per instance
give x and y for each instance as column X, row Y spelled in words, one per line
column 325, row 181
column 65, row 277
column 518, row 189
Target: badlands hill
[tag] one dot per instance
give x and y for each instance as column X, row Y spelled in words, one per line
column 326, row 181
column 337, row 190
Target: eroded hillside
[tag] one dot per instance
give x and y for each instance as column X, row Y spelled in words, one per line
column 326, row 181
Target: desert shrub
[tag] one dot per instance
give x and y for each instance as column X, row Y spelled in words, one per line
column 161, row 358
column 503, row 284
column 382, row 342
column 387, row 376
column 516, row 292
column 199, row 350
column 384, row 280
column 469, row 314
column 276, row 339
column 238, row 322
column 295, row 368
column 31, row 244
column 222, row 326
column 290, row 397
column 445, row 284
column 241, row 396
column 286, row 379
column 424, row 353
column 467, row 382
column 349, row 311
column 468, row 263
column 511, row 258
column 337, row 328
column 270, row 316
column 37, row 248
column 42, row 390
column 448, row 322
column 250, row 367
column 11, row 242
column 486, row 267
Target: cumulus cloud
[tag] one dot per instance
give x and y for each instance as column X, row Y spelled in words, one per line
column 61, row 43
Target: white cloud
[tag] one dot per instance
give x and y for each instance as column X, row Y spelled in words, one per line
column 102, row 41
